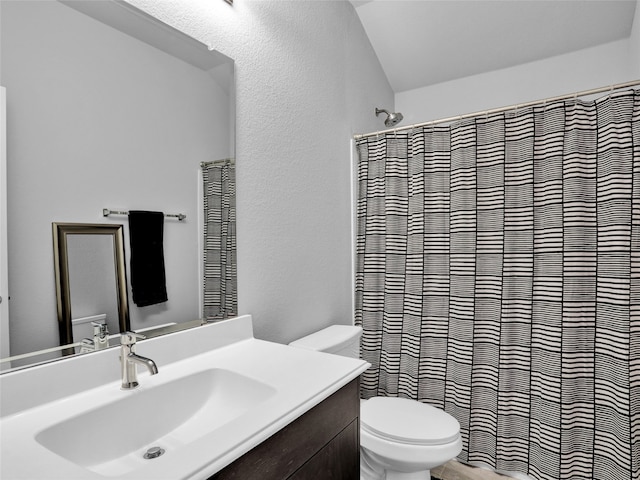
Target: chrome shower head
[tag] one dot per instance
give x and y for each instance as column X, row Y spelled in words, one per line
column 392, row 118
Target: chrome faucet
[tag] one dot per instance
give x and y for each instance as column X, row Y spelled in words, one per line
column 100, row 335
column 129, row 359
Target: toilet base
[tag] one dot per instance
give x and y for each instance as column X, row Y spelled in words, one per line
column 369, row 470
column 422, row 475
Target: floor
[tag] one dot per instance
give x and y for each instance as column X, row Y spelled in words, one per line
column 457, row 471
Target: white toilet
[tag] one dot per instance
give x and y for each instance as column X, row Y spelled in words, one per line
column 400, row 439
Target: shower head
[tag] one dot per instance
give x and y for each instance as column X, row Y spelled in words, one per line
column 392, row 118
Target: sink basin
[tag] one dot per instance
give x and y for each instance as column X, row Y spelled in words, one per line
column 112, row 438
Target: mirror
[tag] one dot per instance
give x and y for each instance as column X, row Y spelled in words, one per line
column 91, row 283
column 107, row 108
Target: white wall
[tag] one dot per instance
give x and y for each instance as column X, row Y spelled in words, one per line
column 307, row 79
column 634, row 42
column 85, row 134
column 607, row 64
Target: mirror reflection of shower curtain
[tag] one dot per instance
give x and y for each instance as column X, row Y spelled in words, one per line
column 220, row 272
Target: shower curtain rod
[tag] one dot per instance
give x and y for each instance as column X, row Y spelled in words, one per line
column 218, row 162
column 515, row 106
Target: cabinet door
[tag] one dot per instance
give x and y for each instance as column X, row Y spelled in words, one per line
column 338, row 460
column 289, row 450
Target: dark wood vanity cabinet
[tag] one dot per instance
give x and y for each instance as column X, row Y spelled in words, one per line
column 322, row 444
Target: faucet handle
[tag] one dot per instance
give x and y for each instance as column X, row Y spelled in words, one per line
column 129, row 338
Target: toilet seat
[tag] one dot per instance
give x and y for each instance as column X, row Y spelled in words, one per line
column 407, row 421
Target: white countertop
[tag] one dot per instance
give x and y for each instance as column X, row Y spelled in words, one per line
column 301, row 380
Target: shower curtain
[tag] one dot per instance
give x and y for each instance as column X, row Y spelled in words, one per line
column 220, row 274
column 498, row 278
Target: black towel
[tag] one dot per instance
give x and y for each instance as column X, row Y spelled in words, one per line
column 148, row 281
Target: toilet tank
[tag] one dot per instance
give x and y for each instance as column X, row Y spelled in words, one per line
column 337, row 339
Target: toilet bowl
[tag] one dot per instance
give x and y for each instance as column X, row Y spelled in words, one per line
column 400, row 439
column 405, row 439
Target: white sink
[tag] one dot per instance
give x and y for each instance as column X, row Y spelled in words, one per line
column 219, row 393
column 112, row 439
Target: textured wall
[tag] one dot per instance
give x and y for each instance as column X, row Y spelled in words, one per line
column 306, row 79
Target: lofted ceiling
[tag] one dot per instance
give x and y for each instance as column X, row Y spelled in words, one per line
column 424, row 42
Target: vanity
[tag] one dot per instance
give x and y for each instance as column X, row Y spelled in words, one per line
column 223, row 405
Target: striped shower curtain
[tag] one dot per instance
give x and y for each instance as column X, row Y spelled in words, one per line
column 220, row 269
column 498, row 278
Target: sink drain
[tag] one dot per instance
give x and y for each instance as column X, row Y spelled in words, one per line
column 153, row 452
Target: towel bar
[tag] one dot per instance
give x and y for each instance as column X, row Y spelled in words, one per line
column 106, row 212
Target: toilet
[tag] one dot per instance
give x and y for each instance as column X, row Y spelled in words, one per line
column 400, row 439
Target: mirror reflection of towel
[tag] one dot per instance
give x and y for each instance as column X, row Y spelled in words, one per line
column 148, row 281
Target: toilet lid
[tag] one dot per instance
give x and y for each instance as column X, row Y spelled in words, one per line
column 408, row 421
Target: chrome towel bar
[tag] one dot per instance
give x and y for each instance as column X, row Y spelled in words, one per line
column 106, row 212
